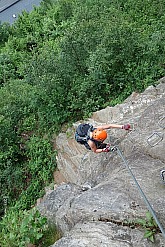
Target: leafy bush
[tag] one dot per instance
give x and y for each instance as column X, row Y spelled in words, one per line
column 5, row 32
column 39, row 171
column 25, row 158
column 19, row 228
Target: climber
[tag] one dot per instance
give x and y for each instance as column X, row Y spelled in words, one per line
column 93, row 137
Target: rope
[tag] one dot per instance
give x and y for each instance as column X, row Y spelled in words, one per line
column 140, row 190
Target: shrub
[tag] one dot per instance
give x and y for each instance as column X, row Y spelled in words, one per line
column 19, row 228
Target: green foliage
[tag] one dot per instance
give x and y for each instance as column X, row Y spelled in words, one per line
column 149, row 225
column 5, row 31
column 39, row 170
column 26, row 161
column 7, row 68
column 50, row 236
column 89, row 52
column 19, row 228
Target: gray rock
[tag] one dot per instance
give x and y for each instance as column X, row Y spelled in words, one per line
column 105, row 235
column 100, row 193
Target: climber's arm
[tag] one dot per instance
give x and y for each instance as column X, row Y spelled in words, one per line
column 109, row 126
column 118, row 126
column 93, row 147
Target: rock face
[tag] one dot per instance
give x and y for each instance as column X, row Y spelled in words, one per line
column 98, row 193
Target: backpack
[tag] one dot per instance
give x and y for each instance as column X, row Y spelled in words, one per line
column 82, row 133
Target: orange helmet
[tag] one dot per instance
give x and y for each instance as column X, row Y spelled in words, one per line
column 99, row 134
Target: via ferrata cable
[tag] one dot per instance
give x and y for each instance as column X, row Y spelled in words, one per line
column 115, row 148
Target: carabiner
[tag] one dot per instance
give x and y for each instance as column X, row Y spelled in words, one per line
column 162, row 175
column 154, row 139
column 160, row 123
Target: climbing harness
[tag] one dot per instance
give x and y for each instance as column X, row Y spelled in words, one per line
column 115, row 148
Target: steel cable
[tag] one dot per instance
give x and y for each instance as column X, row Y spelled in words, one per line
column 140, row 190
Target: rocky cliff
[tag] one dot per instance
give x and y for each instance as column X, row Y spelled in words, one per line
column 96, row 193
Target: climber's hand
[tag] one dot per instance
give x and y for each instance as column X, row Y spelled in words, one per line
column 107, row 149
column 126, row 126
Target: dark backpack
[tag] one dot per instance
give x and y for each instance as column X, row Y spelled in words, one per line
column 82, row 133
